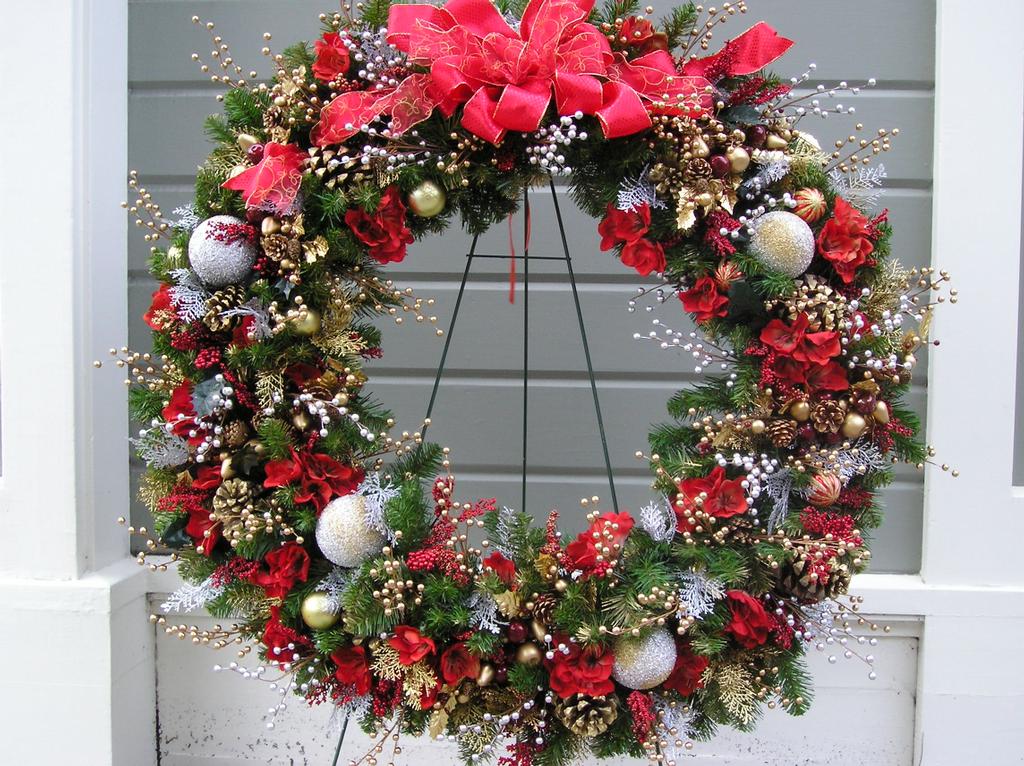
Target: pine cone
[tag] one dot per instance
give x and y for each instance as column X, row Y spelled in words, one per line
column 544, row 608
column 827, row 416
column 235, row 433
column 825, row 308
column 232, row 498
column 781, row 432
column 230, row 297
column 279, row 247
column 794, row 582
column 586, row 716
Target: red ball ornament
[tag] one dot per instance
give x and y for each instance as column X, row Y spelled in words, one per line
column 720, row 165
column 810, row 204
column 255, row 153
column 824, row 489
column 517, row 632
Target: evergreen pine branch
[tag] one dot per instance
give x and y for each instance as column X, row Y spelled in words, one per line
column 678, row 24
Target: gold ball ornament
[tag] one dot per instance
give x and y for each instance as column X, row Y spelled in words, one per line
column 318, row 612
column 227, row 469
column 854, row 425
column 486, row 675
column 270, row 225
column 538, row 629
column 528, row 654
column 757, row 426
column 782, row 242
column 427, row 200
column 643, row 663
column 881, row 413
column 307, row 323
column 739, row 158
column 301, row 420
column 810, row 204
column 800, row 411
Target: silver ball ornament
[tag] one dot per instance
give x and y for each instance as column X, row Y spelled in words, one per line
column 645, row 662
column 782, row 242
column 342, row 532
column 427, row 200
column 218, row 254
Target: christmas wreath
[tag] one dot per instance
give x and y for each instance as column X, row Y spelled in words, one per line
column 340, row 549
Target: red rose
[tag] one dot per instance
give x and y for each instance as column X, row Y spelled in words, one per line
column 750, row 623
column 410, row 645
column 723, row 498
column 782, row 337
column 644, row 256
column 845, row 240
column 818, row 347
column 457, row 663
column 581, row 671
column 332, row 58
column 686, row 675
column 623, row 226
column 827, row 377
column 383, row 232
column 321, row 476
column 272, row 184
column 353, row 669
column 704, row 301
column 161, row 314
column 505, row 569
column 281, row 569
column 282, row 642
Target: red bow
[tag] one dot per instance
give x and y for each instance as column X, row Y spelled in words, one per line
column 505, row 77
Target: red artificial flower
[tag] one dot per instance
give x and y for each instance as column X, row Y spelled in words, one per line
column 161, row 314
column 410, row 645
column 623, row 226
column 750, row 623
column 610, row 531
column 502, row 567
column 272, row 184
column 581, row 671
column 723, row 499
column 686, row 675
column 640, row 33
column 457, row 663
column 818, row 348
column 845, row 240
column 282, row 642
column 202, row 529
column 827, row 377
column 383, row 232
column 353, row 668
column 282, row 569
column 704, row 301
column 789, row 371
column 429, row 696
column 785, row 338
column 207, row 477
column 240, row 335
column 644, row 255
column 180, row 412
column 322, row 477
column 332, row 57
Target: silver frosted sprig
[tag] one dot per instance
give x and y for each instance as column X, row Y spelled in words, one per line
column 377, row 497
column 483, row 611
column 160, row 448
column 192, row 597
column 777, row 486
column 335, row 585
column 698, row 594
column 637, row 192
column 188, row 296
column 658, row 520
column 260, row 329
column 861, row 187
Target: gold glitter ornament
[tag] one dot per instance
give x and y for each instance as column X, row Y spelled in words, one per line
column 427, row 200
column 645, row 662
column 318, row 612
column 343, row 534
column 782, row 242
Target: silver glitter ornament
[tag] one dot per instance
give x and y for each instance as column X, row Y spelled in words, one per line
column 222, row 250
column 782, row 242
column 342, row 533
column 643, row 663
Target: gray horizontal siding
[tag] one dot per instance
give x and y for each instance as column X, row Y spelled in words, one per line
column 478, row 411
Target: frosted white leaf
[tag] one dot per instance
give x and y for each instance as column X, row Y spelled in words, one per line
column 698, row 594
column 192, row 597
column 188, row 296
column 658, row 520
column 260, row 329
column 187, row 219
column 484, row 613
column 503, row 533
column 377, row 497
column 777, row 485
column 862, row 187
column 161, row 449
column 337, row 581
column 861, row 458
column 635, row 193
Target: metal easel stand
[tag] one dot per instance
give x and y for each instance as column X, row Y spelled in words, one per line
column 525, row 258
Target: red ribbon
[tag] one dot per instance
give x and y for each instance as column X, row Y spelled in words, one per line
column 753, row 50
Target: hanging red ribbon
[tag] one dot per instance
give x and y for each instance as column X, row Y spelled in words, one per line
column 753, row 50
